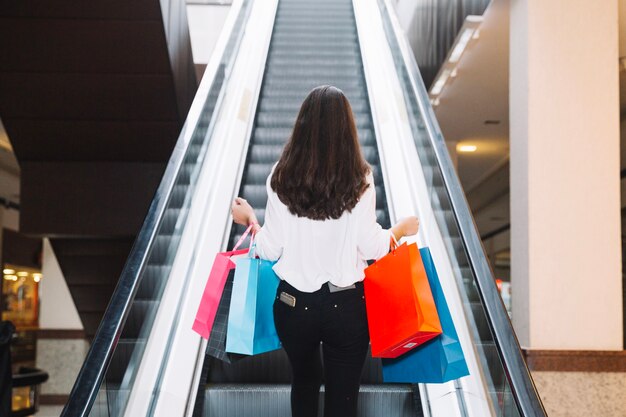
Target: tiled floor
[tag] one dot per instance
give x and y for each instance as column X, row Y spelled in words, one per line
column 49, row 411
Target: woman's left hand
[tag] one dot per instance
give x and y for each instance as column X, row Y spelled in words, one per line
column 242, row 212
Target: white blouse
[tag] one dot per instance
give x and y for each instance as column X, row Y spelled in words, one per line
column 313, row 252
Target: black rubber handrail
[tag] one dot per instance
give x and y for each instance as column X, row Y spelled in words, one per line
column 522, row 386
column 93, row 370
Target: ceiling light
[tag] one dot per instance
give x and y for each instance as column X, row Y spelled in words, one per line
column 11, row 277
column 37, row 279
column 464, row 39
column 466, row 148
column 22, row 274
column 37, row 276
column 9, row 271
column 440, row 83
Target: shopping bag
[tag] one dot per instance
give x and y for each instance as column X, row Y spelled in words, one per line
column 401, row 312
column 216, row 346
column 212, row 294
column 251, row 327
column 439, row 360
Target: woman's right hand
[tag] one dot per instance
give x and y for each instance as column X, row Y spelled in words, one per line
column 406, row 227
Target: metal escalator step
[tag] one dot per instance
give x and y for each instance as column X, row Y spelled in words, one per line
column 267, row 154
column 170, row 217
column 482, row 327
column 318, row 14
column 337, row 73
column 304, row 24
column 121, row 358
column 290, row 105
column 153, row 277
column 270, row 400
column 280, row 136
column 163, row 245
column 488, row 352
column 312, row 27
column 313, row 44
column 300, row 92
column 257, row 173
column 178, row 194
column 283, row 119
column 301, row 54
column 139, row 311
column 312, row 61
column 305, row 86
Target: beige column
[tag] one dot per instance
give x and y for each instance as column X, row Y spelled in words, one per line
column 565, row 185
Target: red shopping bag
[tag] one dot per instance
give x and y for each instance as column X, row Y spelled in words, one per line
column 401, row 311
column 207, row 310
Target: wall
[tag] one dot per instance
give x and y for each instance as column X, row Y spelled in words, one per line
column 61, row 345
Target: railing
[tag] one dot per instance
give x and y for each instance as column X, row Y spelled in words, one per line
column 26, row 385
column 153, row 241
column 432, row 151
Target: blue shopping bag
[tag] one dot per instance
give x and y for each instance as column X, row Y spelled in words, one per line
column 438, row 360
column 251, row 329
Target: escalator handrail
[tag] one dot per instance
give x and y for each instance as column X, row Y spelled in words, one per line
column 517, row 373
column 94, row 368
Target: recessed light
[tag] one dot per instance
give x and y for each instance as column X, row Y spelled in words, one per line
column 9, row 271
column 37, row 279
column 22, row 274
column 37, row 276
column 465, row 147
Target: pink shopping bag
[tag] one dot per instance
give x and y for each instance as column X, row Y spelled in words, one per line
column 222, row 265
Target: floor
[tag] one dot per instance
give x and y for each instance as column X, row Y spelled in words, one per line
column 49, row 411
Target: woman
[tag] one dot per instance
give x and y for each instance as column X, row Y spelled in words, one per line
column 320, row 225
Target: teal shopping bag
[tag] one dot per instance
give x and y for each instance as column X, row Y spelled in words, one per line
column 438, row 360
column 251, row 329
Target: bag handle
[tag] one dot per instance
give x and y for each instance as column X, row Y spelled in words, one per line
column 243, row 237
column 394, row 242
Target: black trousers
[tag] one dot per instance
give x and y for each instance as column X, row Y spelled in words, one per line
column 338, row 322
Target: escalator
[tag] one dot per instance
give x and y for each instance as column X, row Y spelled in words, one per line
column 313, row 43
column 143, row 340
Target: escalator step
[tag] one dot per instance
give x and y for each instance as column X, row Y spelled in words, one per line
column 137, row 316
column 153, row 277
column 273, row 401
column 280, row 136
column 280, row 119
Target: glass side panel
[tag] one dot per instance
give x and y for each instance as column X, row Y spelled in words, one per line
column 492, row 368
column 153, row 274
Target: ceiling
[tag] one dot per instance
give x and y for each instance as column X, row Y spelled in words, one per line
column 478, row 93
column 473, row 108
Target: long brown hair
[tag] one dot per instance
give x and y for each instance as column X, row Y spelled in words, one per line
column 321, row 172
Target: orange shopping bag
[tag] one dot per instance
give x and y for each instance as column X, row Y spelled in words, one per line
column 401, row 312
